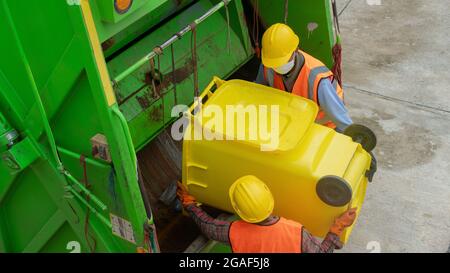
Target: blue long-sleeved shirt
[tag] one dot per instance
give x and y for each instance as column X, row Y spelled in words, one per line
column 333, row 106
column 329, row 102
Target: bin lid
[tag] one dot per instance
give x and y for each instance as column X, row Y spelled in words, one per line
column 258, row 115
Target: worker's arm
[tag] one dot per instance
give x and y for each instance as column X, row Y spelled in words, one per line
column 333, row 106
column 331, row 241
column 212, row 228
column 260, row 77
column 312, row 245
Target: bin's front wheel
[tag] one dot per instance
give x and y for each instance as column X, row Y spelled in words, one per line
column 363, row 135
column 334, row 191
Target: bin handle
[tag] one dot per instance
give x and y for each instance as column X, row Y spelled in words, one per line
column 205, row 95
column 196, row 183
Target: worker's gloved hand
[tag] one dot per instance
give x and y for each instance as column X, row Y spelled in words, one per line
column 343, row 221
column 184, row 196
column 373, row 168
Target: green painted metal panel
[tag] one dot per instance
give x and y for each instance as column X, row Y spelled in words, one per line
column 143, row 14
column 25, row 218
column 216, row 247
column 64, row 239
column 37, row 210
column 135, row 94
column 110, row 12
column 48, row 50
column 304, row 15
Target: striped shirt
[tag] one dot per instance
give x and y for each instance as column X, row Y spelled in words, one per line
column 218, row 230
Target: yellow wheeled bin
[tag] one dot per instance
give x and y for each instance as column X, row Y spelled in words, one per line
column 314, row 173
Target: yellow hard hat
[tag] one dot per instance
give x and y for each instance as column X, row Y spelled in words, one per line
column 251, row 199
column 278, row 44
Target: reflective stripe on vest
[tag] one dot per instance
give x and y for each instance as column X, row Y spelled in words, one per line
column 315, row 72
column 269, row 76
column 285, row 236
column 274, row 80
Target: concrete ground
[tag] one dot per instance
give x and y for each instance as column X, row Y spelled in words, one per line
column 396, row 65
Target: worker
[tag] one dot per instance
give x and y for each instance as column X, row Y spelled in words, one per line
column 285, row 67
column 259, row 231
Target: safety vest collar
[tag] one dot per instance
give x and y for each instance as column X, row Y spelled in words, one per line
column 270, row 74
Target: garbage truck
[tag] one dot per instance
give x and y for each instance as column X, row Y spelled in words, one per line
column 87, row 89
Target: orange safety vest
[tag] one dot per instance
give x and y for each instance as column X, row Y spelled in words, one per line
column 307, row 83
column 285, row 236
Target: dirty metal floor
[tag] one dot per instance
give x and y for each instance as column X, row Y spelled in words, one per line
column 160, row 165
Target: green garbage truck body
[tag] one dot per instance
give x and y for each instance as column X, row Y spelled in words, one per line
column 87, row 90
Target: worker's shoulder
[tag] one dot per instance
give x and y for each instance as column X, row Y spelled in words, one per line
column 310, row 60
column 290, row 223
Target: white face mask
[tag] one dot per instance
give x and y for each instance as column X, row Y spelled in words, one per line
column 285, row 68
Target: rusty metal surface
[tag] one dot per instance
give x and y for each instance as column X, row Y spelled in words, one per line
column 160, row 165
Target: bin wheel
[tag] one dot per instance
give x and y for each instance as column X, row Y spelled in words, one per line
column 363, row 135
column 334, row 191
